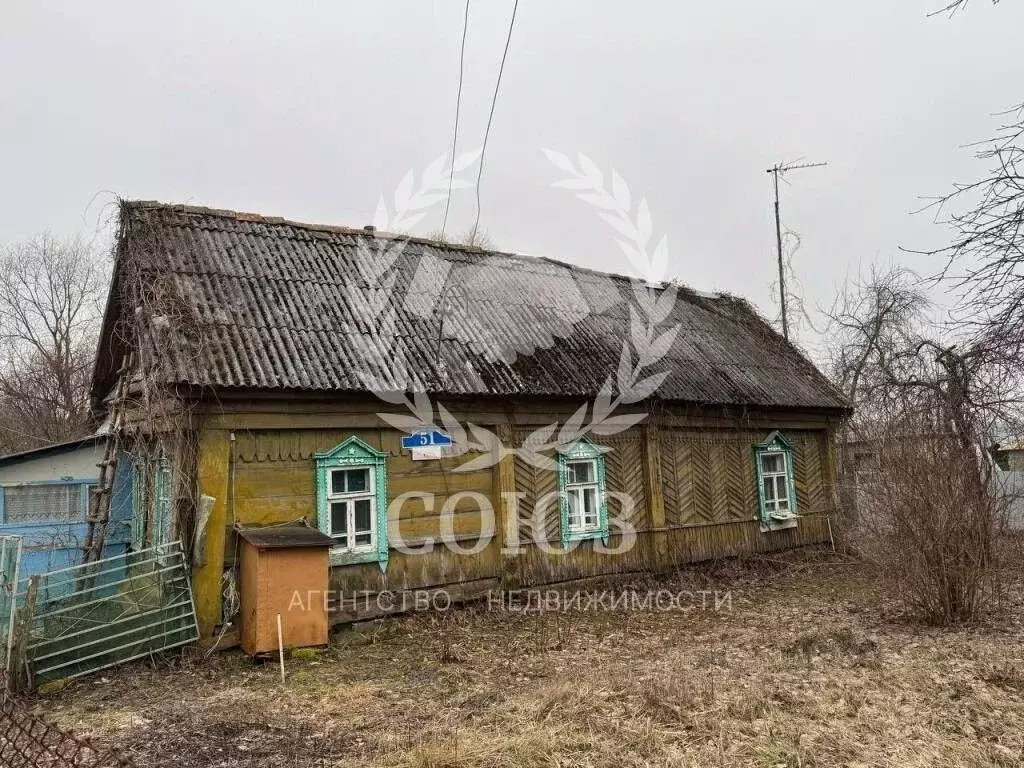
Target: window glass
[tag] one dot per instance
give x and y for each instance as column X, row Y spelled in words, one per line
column 590, row 506
column 781, row 492
column 772, row 462
column 351, row 502
column 579, row 472
column 581, row 485
column 575, row 507
column 358, row 480
column 582, row 500
column 350, row 481
column 339, row 517
column 57, row 502
column 773, row 472
column 363, row 518
column 351, row 519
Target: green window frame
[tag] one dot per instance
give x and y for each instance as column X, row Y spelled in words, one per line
column 163, row 500
column 773, row 462
column 582, row 493
column 351, row 479
column 140, row 506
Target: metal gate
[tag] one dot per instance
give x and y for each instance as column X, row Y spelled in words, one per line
column 77, row 620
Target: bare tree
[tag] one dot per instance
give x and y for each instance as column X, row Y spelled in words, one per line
column 953, row 6
column 929, row 399
column 892, row 361
column 50, row 306
column 874, row 320
column 986, row 256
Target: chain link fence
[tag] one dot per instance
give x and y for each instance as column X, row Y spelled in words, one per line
column 29, row 741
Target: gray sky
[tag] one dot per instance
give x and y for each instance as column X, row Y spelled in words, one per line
column 313, row 110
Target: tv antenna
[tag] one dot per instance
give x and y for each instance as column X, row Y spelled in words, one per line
column 777, row 170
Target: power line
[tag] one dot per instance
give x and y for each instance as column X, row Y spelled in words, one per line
column 458, row 106
column 780, row 169
column 490, row 118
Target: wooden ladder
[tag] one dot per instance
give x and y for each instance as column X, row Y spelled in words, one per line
column 98, row 518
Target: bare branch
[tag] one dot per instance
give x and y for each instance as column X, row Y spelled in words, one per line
column 50, row 303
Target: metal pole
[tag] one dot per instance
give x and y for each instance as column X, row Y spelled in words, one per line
column 775, row 171
column 782, row 271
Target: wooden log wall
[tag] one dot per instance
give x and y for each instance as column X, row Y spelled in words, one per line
column 691, row 480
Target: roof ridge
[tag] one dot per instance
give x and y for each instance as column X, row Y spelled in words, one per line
column 257, row 218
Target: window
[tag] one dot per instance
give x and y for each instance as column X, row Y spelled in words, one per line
column 163, row 500
column 582, row 491
column 351, row 502
column 581, row 485
column 44, row 503
column 140, row 503
column 775, row 491
column 352, row 518
column 775, row 482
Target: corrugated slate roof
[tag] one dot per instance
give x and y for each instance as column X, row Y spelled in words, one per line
column 253, row 302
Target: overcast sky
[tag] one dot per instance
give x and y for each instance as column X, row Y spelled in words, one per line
column 311, row 111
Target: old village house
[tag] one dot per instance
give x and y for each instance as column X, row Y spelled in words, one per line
column 243, row 352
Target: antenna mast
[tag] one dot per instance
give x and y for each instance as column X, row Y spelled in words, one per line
column 780, row 169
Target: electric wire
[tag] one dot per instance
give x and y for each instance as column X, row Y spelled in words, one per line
column 458, row 107
column 490, row 119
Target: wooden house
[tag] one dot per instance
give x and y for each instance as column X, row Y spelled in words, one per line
column 597, row 425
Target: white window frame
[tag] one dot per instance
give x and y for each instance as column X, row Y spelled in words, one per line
column 576, row 513
column 369, row 493
column 573, row 527
column 772, row 506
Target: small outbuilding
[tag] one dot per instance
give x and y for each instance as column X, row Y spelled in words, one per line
column 44, row 499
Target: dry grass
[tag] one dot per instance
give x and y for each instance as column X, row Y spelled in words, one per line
column 811, row 667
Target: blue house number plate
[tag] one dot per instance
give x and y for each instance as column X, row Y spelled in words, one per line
column 426, row 438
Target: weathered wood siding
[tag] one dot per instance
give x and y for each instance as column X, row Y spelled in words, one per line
column 542, row 559
column 709, row 475
column 691, row 479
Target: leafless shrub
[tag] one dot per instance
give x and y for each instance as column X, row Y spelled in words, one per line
column 928, row 520
column 474, row 238
column 929, row 399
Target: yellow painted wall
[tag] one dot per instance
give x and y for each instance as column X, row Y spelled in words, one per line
column 213, row 469
column 678, row 519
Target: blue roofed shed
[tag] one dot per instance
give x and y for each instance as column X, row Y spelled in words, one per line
column 44, row 498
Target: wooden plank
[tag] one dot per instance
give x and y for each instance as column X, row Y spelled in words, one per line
column 19, row 676
column 461, row 524
column 312, row 411
column 653, row 484
column 504, row 484
column 706, row 474
column 213, row 471
column 441, row 485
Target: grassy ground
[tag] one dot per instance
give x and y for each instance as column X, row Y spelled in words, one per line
column 808, row 664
